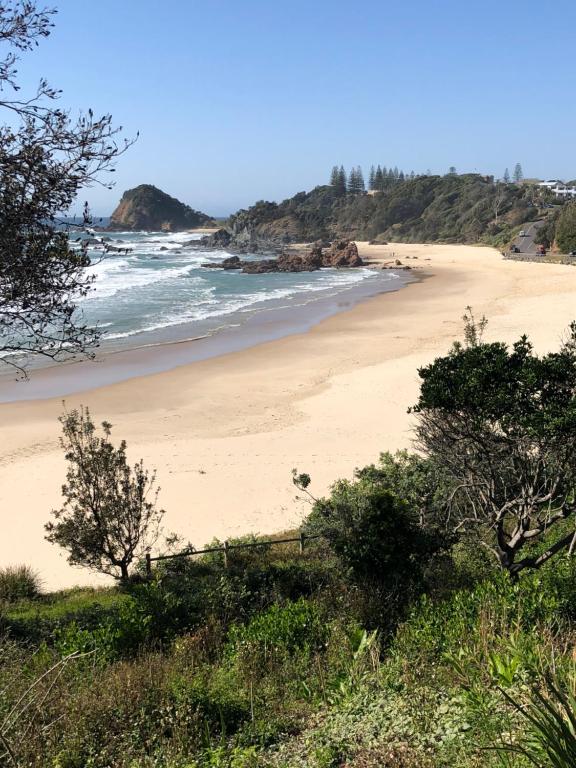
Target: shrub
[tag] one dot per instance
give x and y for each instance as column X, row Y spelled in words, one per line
column 280, row 629
column 19, row 582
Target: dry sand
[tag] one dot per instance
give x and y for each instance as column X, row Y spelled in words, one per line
column 225, row 433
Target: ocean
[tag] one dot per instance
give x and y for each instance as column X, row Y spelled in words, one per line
column 159, row 291
column 156, row 294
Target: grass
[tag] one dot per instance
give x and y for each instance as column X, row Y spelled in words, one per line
column 273, row 668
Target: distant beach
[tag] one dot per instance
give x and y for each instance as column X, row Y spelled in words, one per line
column 225, row 432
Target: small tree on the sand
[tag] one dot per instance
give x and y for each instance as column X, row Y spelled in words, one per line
column 502, row 424
column 109, row 517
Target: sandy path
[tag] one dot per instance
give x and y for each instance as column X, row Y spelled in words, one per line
column 224, row 434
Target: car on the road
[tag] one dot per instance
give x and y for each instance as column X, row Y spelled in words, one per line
column 522, row 233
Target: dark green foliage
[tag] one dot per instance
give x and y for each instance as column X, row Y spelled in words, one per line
column 109, row 518
column 518, row 174
column 502, row 423
column 566, row 228
column 374, row 533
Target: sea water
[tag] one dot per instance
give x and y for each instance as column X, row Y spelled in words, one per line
column 159, row 291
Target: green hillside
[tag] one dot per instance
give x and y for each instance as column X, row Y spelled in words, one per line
column 455, row 209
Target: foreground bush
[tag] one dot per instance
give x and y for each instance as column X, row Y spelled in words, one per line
column 19, row 582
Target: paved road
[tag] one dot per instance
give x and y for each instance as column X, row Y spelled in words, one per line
column 526, row 244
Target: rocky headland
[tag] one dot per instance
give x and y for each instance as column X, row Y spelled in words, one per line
column 148, row 208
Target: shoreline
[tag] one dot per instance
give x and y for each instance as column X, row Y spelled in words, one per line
column 258, row 326
column 224, row 433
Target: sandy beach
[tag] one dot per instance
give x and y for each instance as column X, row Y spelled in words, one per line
column 225, row 433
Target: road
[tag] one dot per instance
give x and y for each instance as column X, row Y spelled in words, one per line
column 526, row 244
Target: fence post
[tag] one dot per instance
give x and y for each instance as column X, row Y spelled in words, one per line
column 225, row 554
column 148, row 565
column 302, row 537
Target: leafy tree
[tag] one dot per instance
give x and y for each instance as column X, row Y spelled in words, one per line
column 452, row 171
column 109, row 517
column 506, row 176
column 46, row 159
column 566, row 228
column 417, row 479
column 502, row 423
column 518, row 174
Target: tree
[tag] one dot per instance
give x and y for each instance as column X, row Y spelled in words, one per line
column 452, row 171
column 379, row 179
column 518, row 174
column 502, row 423
column 109, row 517
column 351, row 183
column 373, row 532
column 334, row 176
column 361, row 187
column 342, row 180
column 46, row 159
column 506, row 177
column 498, row 200
column 372, row 178
column 566, row 228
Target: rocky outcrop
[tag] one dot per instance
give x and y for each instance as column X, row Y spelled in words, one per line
column 148, row 208
column 219, row 239
column 340, row 254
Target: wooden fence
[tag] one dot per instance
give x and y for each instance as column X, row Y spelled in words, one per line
column 226, row 548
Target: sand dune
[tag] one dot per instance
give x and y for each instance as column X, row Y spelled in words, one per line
column 225, row 433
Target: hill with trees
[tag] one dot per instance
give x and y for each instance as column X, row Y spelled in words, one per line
column 466, row 208
column 148, row 208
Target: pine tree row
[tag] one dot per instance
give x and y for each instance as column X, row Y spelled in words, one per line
column 380, row 178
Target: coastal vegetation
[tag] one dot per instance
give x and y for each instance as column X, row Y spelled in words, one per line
column 466, row 208
column 395, row 638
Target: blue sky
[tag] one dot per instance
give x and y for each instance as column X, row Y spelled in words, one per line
column 239, row 101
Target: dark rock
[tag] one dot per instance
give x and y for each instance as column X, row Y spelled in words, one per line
column 148, row 208
column 219, row 239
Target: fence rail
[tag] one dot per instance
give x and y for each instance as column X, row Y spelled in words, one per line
column 226, row 548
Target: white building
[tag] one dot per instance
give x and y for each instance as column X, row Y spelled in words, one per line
column 558, row 188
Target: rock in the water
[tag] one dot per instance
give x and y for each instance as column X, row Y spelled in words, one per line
column 146, row 207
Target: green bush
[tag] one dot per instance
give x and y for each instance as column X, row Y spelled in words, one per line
column 19, row 582
column 280, row 629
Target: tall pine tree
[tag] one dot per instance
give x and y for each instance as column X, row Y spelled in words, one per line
column 334, row 176
column 379, row 179
column 372, row 178
column 360, row 186
column 518, row 174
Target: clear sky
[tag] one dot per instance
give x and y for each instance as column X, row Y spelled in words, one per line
column 237, row 100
